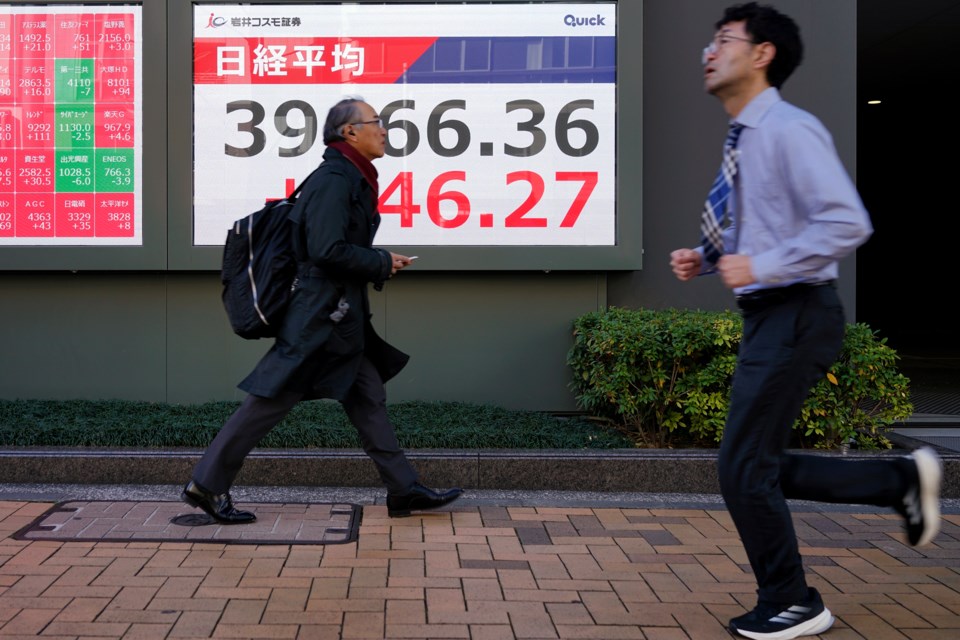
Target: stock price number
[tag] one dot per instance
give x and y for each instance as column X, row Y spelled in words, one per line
column 40, row 221
column 80, row 221
column 397, row 198
column 442, row 119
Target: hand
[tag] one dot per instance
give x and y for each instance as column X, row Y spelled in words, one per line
column 685, row 263
column 399, row 262
column 735, row 270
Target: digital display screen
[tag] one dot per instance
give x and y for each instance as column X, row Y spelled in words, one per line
column 500, row 118
column 70, row 125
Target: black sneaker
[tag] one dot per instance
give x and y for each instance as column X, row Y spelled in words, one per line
column 921, row 502
column 784, row 621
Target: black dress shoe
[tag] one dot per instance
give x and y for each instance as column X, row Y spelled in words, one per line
column 419, row 498
column 219, row 507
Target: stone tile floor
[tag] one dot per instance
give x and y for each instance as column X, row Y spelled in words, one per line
column 493, row 565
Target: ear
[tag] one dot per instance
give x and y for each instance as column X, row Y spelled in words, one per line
column 764, row 54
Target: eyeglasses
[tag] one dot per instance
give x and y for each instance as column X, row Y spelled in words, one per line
column 376, row 121
column 717, row 43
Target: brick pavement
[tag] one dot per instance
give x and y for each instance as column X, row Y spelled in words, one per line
column 478, row 571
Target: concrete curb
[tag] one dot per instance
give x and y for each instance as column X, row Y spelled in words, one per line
column 631, row 470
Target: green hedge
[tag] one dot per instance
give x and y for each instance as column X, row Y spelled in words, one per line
column 318, row 424
column 663, row 377
column 644, row 378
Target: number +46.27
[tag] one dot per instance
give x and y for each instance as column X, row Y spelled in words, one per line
column 521, row 216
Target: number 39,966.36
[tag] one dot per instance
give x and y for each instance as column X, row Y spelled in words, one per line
column 440, row 120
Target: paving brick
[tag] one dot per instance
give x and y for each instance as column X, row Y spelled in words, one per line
column 548, row 568
column 116, row 614
column 664, row 633
column 478, row 551
column 479, row 573
column 363, row 625
column 195, row 624
column 423, row 583
column 286, row 600
column 482, row 589
column 873, row 627
column 440, row 601
column 33, row 585
column 82, row 610
column 433, row 631
column 249, row 632
column 387, row 593
column 32, row 555
column 28, row 622
column 699, row 624
column 344, row 605
column 243, row 612
column 491, row 632
column 516, row 579
column 532, row 621
column 633, row 591
column 83, row 592
column 369, row 577
column 533, row 536
column 87, row 629
column 303, row 618
column 577, row 585
column 147, row 631
column 582, row 567
column 494, row 564
column 569, row 613
column 607, row 632
column 406, row 613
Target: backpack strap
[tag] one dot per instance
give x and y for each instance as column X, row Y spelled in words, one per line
column 303, row 182
column 299, row 248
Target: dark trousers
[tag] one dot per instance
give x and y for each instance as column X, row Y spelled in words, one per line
column 789, row 342
column 365, row 405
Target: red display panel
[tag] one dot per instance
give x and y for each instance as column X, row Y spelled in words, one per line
column 70, row 148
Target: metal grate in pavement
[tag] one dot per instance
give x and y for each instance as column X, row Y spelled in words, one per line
column 153, row 521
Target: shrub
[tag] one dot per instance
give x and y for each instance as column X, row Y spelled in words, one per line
column 663, row 377
column 859, row 398
column 317, row 424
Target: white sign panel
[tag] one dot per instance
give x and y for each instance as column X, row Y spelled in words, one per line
column 500, row 117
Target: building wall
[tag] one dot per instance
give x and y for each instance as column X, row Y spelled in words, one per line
column 683, row 130
column 498, row 337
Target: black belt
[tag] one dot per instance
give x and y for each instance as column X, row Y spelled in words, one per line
column 762, row 298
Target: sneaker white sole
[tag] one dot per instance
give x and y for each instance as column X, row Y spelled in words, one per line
column 811, row 627
column 931, row 475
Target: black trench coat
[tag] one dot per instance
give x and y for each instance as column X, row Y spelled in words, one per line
column 334, row 223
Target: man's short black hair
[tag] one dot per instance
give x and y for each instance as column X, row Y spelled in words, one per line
column 763, row 23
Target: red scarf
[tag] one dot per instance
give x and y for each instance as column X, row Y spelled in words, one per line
column 365, row 166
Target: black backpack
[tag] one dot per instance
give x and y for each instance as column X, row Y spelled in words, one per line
column 259, row 270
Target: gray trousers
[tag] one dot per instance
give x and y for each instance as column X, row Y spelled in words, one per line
column 365, row 405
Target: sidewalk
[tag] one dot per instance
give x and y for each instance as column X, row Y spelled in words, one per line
column 493, row 565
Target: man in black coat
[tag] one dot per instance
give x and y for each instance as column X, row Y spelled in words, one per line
column 326, row 347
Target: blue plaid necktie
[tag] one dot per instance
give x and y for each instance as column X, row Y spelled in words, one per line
column 715, row 208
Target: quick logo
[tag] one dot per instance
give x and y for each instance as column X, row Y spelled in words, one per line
column 582, row 21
